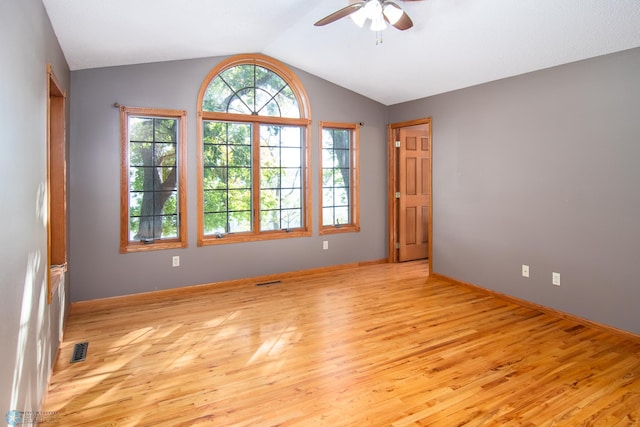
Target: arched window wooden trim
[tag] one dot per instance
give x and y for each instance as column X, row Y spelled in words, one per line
column 263, row 61
column 303, row 122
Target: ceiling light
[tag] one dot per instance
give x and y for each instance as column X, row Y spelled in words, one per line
column 378, row 24
column 392, row 12
column 372, row 9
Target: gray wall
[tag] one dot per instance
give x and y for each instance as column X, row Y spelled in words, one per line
column 30, row 330
column 542, row 169
column 99, row 270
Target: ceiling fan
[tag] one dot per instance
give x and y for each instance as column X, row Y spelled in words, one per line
column 380, row 12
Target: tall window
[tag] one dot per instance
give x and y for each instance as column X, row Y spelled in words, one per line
column 339, row 163
column 253, row 151
column 152, row 179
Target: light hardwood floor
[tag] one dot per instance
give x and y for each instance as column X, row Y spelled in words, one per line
column 373, row 346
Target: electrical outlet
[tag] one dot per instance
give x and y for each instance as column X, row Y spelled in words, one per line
column 555, row 279
column 325, row 245
column 525, row 270
column 176, row 261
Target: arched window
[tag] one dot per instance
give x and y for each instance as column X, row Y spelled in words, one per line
column 253, row 148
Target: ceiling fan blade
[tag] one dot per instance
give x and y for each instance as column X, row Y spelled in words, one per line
column 391, row 9
column 404, row 23
column 345, row 11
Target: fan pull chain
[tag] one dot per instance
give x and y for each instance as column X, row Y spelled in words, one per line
column 378, row 38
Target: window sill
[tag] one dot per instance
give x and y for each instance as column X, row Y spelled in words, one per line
column 144, row 247
column 248, row 237
column 341, row 229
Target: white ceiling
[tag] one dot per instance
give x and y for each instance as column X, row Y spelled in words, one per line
column 453, row 44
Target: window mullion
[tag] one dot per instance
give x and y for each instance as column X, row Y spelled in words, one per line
column 227, row 227
column 255, row 174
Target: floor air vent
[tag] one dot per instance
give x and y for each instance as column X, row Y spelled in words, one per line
column 269, row 283
column 79, row 352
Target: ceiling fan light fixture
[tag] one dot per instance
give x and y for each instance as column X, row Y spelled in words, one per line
column 378, row 24
column 392, row 12
column 359, row 17
column 373, row 9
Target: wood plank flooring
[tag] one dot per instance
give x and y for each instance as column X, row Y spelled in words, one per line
column 373, row 346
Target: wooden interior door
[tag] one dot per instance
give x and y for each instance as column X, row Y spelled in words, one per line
column 414, row 186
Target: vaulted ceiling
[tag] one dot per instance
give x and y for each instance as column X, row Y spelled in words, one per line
column 453, row 44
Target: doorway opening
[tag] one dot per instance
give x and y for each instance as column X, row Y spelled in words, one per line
column 409, row 194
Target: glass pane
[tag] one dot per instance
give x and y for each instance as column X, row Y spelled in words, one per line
column 237, row 106
column 247, row 98
column 214, row 155
column 239, row 178
column 215, row 201
column 327, row 197
column 164, row 178
column 171, row 203
column 290, row 157
column 269, row 81
column 291, row 136
column 239, row 200
column 270, row 135
column 327, row 139
column 270, row 109
column 269, row 199
column 215, row 178
column 269, row 156
column 327, row 177
column 328, row 159
column 327, row 216
column 265, row 106
column 291, row 178
column 214, row 132
column 341, row 196
column 270, row 220
column 239, row 222
column 166, row 130
column 341, row 138
column 215, row 223
column 134, row 224
column 138, row 177
column 216, row 96
column 240, row 155
column 341, row 177
column 145, row 228
column 169, row 227
column 140, row 154
column 291, row 198
column 269, row 178
column 291, row 218
column 288, row 103
column 140, row 129
column 240, row 76
column 165, row 154
column 239, row 133
column 135, row 203
column 342, row 215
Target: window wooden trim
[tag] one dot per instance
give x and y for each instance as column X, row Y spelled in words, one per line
column 263, row 61
column 127, row 246
column 354, row 189
column 304, row 121
column 56, row 184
